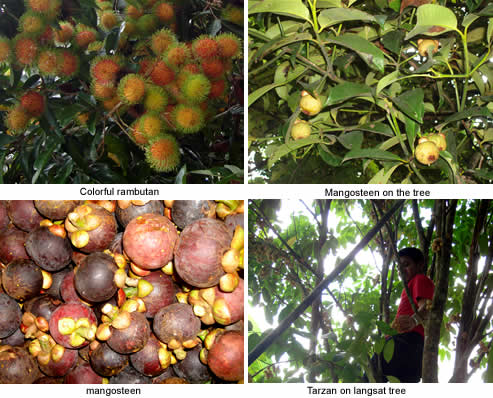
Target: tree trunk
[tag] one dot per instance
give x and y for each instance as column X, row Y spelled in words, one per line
column 445, row 227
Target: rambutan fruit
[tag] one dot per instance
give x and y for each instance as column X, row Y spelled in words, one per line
column 164, row 11
column 177, row 55
column 111, row 103
column 233, row 14
column 188, row 118
column 68, row 65
column 151, row 124
column 162, row 40
column 134, row 11
column 48, row 61
column 5, row 50
column 131, row 89
column 163, row 153
column 161, row 73
column 105, row 68
column 17, row 119
column 32, row 23
column 65, row 33
column 137, row 135
column 105, row 5
column 33, row 103
column 25, row 50
column 147, row 24
column 84, row 36
column 130, row 28
column 95, row 46
column 103, row 91
column 212, row 67
column 176, row 96
column 47, row 36
column 229, row 45
column 218, row 87
column 196, row 88
column 204, row 47
column 45, row 7
column 108, row 19
column 155, row 99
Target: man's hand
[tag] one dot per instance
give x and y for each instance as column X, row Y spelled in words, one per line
column 403, row 324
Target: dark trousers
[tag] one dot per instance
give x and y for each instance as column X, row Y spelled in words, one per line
column 407, row 361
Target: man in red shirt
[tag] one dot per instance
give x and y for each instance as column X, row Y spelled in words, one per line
column 406, row 362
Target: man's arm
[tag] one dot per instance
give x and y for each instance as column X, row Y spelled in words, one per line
column 406, row 323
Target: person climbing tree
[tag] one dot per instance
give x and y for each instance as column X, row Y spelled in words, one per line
column 406, row 361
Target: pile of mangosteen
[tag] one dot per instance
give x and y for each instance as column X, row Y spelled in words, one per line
column 121, row 291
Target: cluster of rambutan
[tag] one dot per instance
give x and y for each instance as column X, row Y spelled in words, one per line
column 31, row 105
column 175, row 89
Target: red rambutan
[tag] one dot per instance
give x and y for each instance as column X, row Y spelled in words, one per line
column 105, row 68
column 33, row 103
column 25, row 50
column 205, row 47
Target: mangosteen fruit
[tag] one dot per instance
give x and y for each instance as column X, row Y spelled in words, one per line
column 93, row 278
column 55, row 209
column 225, row 358
column 10, row 316
column 17, row 366
column 48, row 249
column 12, row 247
column 127, row 210
column 22, row 279
column 185, row 212
column 73, row 325
column 107, row 362
column 23, row 214
column 132, row 338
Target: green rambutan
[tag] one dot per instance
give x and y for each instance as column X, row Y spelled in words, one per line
column 25, row 50
column 147, row 24
column 218, row 87
column 163, row 153
column 48, row 61
column 212, row 67
column 195, row 88
column 131, row 89
column 33, row 103
column 177, row 55
column 102, row 91
column 155, row 99
column 69, row 64
column 188, row 118
column 17, row 119
column 162, row 40
column 95, row 46
column 5, row 50
column 84, row 36
column 108, row 19
column 204, row 47
column 65, row 33
column 161, row 74
column 105, row 68
column 164, row 11
column 229, row 45
column 32, row 23
column 130, row 27
column 151, row 124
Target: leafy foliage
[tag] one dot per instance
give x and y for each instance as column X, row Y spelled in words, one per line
column 78, row 138
column 383, row 85
column 333, row 340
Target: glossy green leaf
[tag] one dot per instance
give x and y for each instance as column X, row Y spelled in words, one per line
column 6, row 139
column 371, row 153
column 40, row 162
column 387, row 81
column 291, row 8
column 329, row 3
column 345, row 91
column 411, row 103
column 181, row 175
column 382, row 177
column 371, row 54
column 433, row 20
column 328, row 157
column 284, row 73
column 291, row 146
column 276, row 44
column 392, row 40
column 379, row 344
column 388, row 350
column 334, row 16
column 469, row 19
column 468, row 113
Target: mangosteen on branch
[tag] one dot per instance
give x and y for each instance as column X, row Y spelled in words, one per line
column 185, row 212
column 127, row 210
column 149, row 241
column 49, row 248
column 91, row 228
column 94, row 276
column 22, row 279
column 10, row 316
column 199, row 252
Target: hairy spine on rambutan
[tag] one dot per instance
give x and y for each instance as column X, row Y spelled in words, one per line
column 65, row 33
column 137, row 135
column 212, row 67
column 25, row 50
column 48, row 61
column 108, row 19
column 229, row 45
column 32, row 23
column 205, row 47
column 69, row 64
column 17, row 119
column 177, row 55
column 131, row 89
column 33, row 103
column 5, row 50
column 151, row 124
column 48, row 8
column 164, row 11
column 105, row 68
column 162, row 40
column 218, row 87
column 133, row 11
column 84, row 36
column 195, row 88
column 163, row 153
column 155, row 99
column 161, row 74
column 188, row 118
column 147, row 24
column 102, row 91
